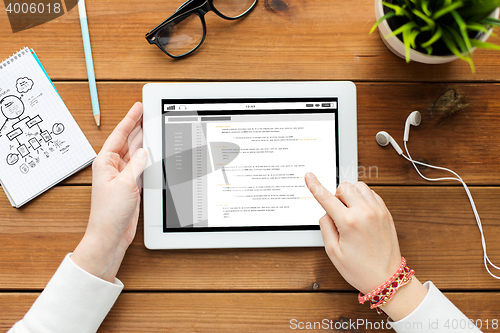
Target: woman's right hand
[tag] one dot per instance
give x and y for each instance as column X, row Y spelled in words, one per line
column 360, row 239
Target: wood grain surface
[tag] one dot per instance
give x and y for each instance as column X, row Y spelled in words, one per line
column 459, row 127
column 437, row 233
column 249, row 290
column 279, row 40
column 255, row 312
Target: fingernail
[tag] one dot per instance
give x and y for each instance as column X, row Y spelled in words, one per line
column 141, row 153
column 310, row 175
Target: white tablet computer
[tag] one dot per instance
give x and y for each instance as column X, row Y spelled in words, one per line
column 227, row 161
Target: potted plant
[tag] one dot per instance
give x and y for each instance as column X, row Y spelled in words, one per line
column 436, row 31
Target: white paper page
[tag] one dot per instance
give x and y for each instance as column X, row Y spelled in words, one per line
column 40, row 142
column 266, row 180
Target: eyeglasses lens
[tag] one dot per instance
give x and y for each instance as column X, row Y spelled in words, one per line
column 233, row 8
column 182, row 35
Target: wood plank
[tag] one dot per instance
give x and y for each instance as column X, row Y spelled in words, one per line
column 458, row 131
column 436, row 229
column 114, row 100
column 254, row 312
column 459, row 127
column 292, row 40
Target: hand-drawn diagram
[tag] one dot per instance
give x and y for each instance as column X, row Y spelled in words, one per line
column 12, row 159
column 26, row 134
column 23, row 85
column 57, row 128
column 24, row 168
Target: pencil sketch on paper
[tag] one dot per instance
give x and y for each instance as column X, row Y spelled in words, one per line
column 27, row 136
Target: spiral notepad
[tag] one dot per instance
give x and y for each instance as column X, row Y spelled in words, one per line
column 40, row 142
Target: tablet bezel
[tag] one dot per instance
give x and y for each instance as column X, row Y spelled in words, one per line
column 153, row 93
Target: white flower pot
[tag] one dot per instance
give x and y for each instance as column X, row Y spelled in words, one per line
column 398, row 48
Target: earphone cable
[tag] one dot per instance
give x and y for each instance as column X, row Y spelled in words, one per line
column 469, row 195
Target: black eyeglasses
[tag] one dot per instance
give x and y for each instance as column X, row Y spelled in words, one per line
column 184, row 31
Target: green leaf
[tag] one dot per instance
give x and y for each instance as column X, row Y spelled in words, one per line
column 425, row 8
column 405, row 27
column 458, row 39
column 409, row 3
column 463, row 29
column 471, row 64
column 490, row 21
column 475, row 12
column 484, row 45
column 453, row 48
column 385, row 17
column 400, row 11
column 451, row 44
column 430, row 22
column 412, row 36
column 477, row 27
column 447, row 9
column 451, row 21
column 437, row 35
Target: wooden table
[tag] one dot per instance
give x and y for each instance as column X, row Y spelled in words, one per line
column 250, row 290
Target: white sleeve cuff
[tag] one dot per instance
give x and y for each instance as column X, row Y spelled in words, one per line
column 436, row 313
column 73, row 301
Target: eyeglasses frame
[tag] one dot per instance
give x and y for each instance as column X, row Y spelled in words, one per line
column 184, row 12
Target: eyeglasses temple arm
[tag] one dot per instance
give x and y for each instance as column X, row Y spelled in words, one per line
column 177, row 13
column 184, row 5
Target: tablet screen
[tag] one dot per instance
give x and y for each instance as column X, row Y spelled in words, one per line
column 239, row 164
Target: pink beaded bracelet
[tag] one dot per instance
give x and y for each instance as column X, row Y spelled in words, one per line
column 384, row 293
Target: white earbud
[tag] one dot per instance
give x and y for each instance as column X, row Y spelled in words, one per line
column 383, row 138
column 413, row 119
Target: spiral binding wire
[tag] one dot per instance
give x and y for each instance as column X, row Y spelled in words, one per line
column 14, row 57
